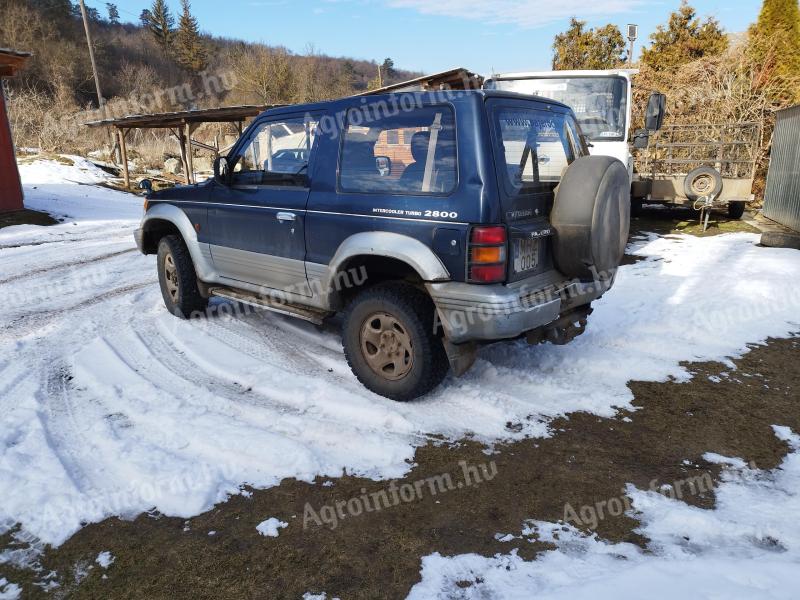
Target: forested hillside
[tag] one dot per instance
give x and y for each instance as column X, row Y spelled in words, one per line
column 160, row 61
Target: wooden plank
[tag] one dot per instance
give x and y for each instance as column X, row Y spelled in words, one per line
column 123, row 147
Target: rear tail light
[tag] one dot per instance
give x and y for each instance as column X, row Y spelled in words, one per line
column 487, row 254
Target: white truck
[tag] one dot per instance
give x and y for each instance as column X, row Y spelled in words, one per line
column 695, row 165
column 600, row 99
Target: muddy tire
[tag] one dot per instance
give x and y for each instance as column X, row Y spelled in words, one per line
column 736, row 209
column 178, row 279
column 591, row 217
column 390, row 344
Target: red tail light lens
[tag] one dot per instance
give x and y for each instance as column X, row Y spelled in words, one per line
column 489, row 235
column 487, row 254
column 488, row 274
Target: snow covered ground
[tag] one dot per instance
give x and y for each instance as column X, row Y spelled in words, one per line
column 747, row 547
column 110, row 406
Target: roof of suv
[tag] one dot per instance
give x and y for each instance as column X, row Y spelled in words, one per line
column 446, row 95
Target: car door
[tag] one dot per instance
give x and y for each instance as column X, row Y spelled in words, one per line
column 257, row 218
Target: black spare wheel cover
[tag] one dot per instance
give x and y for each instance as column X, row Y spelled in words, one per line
column 591, row 217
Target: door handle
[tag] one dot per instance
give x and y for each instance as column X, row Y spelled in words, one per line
column 286, row 216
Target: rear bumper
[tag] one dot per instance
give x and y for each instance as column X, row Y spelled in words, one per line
column 471, row 312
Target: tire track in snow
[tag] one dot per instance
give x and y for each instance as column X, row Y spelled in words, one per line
column 27, row 323
column 63, row 430
column 185, row 369
column 65, row 265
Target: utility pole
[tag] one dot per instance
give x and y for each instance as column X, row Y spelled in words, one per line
column 100, row 100
column 633, row 33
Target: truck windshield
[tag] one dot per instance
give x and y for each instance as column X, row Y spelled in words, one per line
column 600, row 103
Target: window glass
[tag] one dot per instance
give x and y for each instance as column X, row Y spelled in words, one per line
column 600, row 103
column 577, row 138
column 533, row 147
column 412, row 152
column 277, row 153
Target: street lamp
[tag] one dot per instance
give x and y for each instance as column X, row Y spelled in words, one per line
column 633, row 33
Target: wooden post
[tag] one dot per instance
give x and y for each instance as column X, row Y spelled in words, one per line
column 189, row 158
column 181, row 135
column 121, row 137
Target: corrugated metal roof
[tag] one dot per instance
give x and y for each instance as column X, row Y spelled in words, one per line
column 224, row 114
column 456, row 79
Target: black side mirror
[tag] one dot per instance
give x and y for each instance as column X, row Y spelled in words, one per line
column 384, row 165
column 146, row 185
column 656, row 109
column 641, row 138
column 222, row 170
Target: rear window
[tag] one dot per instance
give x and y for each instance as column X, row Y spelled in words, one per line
column 412, row 152
column 533, row 147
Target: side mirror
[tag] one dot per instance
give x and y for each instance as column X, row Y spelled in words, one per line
column 221, row 170
column 146, row 185
column 656, row 108
column 641, row 138
column 384, row 165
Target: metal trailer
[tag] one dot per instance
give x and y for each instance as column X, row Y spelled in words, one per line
column 782, row 197
column 687, row 164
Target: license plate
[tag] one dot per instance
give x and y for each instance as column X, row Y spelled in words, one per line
column 526, row 254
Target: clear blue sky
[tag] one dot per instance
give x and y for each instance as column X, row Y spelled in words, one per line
column 433, row 35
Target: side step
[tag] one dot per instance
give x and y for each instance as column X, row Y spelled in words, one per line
column 293, row 310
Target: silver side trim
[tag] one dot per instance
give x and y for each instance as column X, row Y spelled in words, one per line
column 278, row 272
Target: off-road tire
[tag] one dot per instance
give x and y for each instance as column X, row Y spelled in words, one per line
column 414, row 310
column 188, row 300
column 736, row 209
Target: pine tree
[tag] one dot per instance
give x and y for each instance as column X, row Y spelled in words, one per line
column 577, row 48
column 775, row 47
column 191, row 52
column 113, row 13
column 161, row 24
column 683, row 40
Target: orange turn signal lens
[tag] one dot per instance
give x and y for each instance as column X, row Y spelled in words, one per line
column 146, row 204
column 491, row 254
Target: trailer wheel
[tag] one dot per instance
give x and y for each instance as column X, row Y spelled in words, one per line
column 736, row 209
column 703, row 181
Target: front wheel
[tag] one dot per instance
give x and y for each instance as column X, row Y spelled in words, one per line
column 178, row 279
column 390, row 343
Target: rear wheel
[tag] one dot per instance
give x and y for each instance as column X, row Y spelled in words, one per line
column 390, row 343
column 178, row 279
column 736, row 209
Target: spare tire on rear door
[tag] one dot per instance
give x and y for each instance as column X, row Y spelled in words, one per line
column 591, row 217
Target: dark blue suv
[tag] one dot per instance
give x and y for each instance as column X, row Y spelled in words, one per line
column 436, row 221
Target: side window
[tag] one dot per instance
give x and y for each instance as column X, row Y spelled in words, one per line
column 277, row 153
column 411, row 152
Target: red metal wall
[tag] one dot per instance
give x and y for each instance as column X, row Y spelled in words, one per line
column 10, row 187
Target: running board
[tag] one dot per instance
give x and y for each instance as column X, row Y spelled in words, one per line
column 293, row 310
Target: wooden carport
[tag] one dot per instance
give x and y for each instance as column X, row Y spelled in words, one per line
column 182, row 125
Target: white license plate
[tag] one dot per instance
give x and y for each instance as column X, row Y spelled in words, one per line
column 526, row 254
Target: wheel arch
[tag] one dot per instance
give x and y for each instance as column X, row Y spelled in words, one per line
column 386, row 255
column 166, row 219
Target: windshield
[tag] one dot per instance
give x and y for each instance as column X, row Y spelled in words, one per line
column 600, row 103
